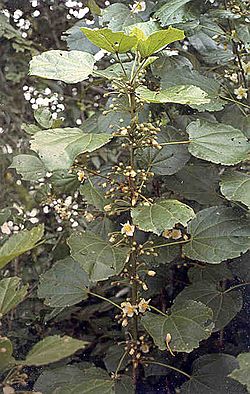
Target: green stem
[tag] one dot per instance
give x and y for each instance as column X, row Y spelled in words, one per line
column 168, row 244
column 119, row 364
column 236, row 287
column 175, row 142
column 168, row 366
column 105, row 299
column 235, row 101
column 119, row 60
column 157, row 310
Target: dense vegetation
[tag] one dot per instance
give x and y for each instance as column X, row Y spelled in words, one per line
column 125, row 197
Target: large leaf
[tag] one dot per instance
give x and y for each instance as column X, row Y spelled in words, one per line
column 236, row 186
column 161, row 215
column 6, row 354
column 69, row 67
column 91, row 380
column 64, row 284
column 10, row 294
column 76, row 41
column 114, row 42
column 217, row 234
column 197, row 182
column 188, row 324
column 20, row 243
column 58, row 148
column 118, row 17
column 209, row 272
column 225, row 305
column 94, row 195
column 217, row 142
column 172, row 11
column 185, row 76
column 97, row 257
column 242, row 372
column 180, row 94
column 171, row 158
column 30, row 167
column 158, row 40
column 209, row 376
column 52, row 349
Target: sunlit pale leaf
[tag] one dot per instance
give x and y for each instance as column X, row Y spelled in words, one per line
column 217, row 234
column 52, row 349
column 58, row 148
column 217, row 142
column 64, row 284
column 30, row 167
column 20, row 243
column 99, row 258
column 180, row 94
column 188, row 324
column 242, row 372
column 161, row 215
column 235, row 186
column 69, row 67
column 6, row 353
column 11, row 294
column 43, row 116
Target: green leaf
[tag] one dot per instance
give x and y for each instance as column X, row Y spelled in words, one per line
column 198, row 182
column 30, row 167
column 114, row 42
column 94, row 7
column 20, row 243
column 43, row 116
column 211, row 273
column 168, row 160
column 118, row 17
column 30, row 128
column 64, row 181
column 225, row 305
column 180, row 94
column 76, row 41
column 97, row 257
column 235, row 186
column 183, row 75
column 69, row 67
column 65, row 284
column 209, row 376
column 188, row 324
column 4, row 215
column 161, row 215
column 52, row 380
column 94, row 195
column 11, row 294
column 241, row 374
column 217, row 142
column 52, row 349
column 171, row 12
column 217, row 234
column 159, row 40
column 58, row 148
column 6, row 350
column 113, row 357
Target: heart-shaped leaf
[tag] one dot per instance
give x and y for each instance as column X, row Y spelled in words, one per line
column 10, row 294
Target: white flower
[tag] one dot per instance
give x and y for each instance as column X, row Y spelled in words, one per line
column 138, row 6
column 81, row 176
column 5, row 229
column 128, row 229
column 143, row 305
column 128, row 309
column 151, row 273
column 240, row 93
column 246, row 67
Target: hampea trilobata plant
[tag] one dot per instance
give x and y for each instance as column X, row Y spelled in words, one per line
column 171, row 201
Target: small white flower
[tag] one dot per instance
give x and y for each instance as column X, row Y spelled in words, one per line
column 128, row 309
column 151, row 273
column 81, row 176
column 128, row 229
column 143, row 305
column 240, row 93
column 5, row 229
column 138, row 6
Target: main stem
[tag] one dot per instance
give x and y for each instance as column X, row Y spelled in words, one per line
column 133, row 256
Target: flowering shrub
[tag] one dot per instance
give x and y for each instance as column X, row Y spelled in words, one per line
column 139, row 288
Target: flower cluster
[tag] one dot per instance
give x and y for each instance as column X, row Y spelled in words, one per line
column 129, row 310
